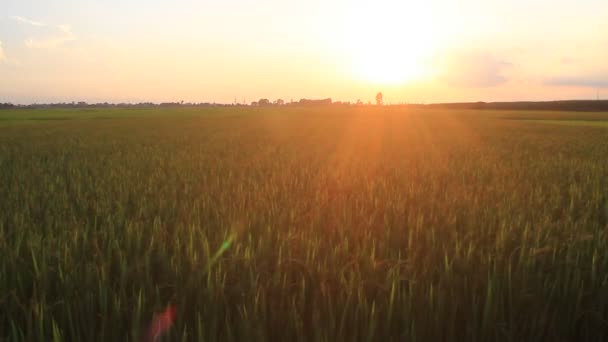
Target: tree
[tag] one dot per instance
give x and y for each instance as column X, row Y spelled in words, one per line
column 279, row 102
column 379, row 99
column 264, row 102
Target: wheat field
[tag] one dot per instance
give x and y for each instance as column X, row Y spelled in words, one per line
column 303, row 224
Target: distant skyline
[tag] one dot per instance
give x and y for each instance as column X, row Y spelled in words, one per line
column 199, row 51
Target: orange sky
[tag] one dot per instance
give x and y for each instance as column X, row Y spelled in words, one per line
column 412, row 51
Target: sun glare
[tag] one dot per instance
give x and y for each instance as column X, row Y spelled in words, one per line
column 388, row 42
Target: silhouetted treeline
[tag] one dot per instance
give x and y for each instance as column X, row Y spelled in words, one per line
column 570, row 105
column 307, row 102
column 113, row 105
column 302, row 102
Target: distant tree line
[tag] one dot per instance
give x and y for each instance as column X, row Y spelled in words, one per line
column 302, row 102
column 569, row 105
column 113, row 105
column 263, row 102
column 7, row 105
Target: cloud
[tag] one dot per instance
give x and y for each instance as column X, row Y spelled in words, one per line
column 62, row 35
column 5, row 60
column 2, row 55
column 584, row 81
column 474, row 70
column 56, row 35
column 28, row 21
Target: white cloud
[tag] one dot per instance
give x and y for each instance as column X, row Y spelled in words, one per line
column 595, row 80
column 57, row 34
column 475, row 70
column 28, row 21
column 5, row 60
column 62, row 34
column 2, row 56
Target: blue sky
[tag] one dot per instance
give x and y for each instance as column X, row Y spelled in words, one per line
column 414, row 51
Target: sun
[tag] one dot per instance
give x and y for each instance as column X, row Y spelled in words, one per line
column 388, row 42
column 387, row 65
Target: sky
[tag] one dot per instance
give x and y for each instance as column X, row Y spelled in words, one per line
column 237, row 50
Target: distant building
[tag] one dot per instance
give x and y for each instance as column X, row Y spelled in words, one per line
column 323, row 102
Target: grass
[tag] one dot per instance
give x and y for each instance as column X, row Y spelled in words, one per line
column 333, row 224
column 595, row 123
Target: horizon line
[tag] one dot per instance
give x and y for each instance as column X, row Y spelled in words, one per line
column 303, row 101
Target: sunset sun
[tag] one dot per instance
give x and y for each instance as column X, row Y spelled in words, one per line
column 390, row 65
column 388, row 43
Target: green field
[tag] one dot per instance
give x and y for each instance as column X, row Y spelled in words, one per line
column 339, row 224
column 596, row 123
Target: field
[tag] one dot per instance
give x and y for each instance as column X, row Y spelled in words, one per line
column 598, row 123
column 304, row 224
